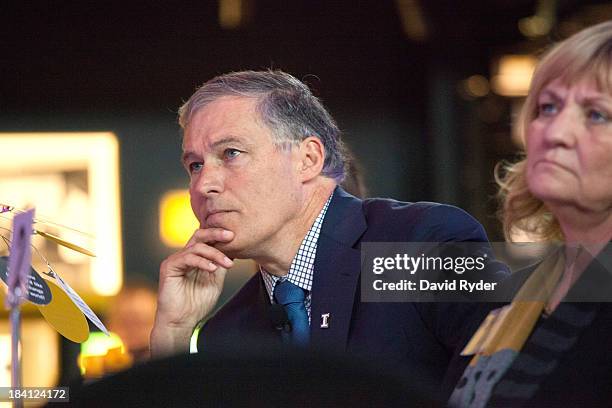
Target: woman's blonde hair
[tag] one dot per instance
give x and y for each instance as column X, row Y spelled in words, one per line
column 586, row 54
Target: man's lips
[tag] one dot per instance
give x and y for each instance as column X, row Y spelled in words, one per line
column 213, row 214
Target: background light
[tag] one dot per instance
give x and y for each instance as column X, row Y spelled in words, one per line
column 234, row 14
column 413, row 21
column 514, row 75
column 52, row 161
column 102, row 354
column 476, row 86
column 176, row 220
column 39, row 347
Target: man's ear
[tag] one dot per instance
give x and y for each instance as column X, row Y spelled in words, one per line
column 311, row 158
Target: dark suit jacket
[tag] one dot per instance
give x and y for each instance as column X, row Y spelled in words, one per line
column 419, row 337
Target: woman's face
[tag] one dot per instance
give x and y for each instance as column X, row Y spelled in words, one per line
column 569, row 147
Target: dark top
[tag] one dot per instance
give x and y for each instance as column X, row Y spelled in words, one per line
column 412, row 338
column 567, row 359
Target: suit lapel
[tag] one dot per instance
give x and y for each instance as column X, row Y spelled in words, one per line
column 336, row 272
column 260, row 318
column 257, row 319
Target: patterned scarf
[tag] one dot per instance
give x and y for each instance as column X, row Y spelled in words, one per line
column 501, row 336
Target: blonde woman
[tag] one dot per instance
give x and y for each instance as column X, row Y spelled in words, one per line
column 552, row 345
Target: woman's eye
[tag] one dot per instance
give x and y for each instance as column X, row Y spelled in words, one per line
column 231, row 153
column 195, row 167
column 596, row 116
column 547, row 109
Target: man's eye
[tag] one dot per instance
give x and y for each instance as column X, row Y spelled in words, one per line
column 547, row 109
column 231, row 153
column 596, row 116
column 195, row 167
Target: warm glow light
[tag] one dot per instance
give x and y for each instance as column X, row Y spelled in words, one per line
column 39, row 354
column 542, row 21
column 413, row 21
column 99, row 343
column 5, row 365
column 534, row 26
column 5, row 360
column 102, row 354
column 514, row 75
column 176, row 220
column 33, row 154
column 74, row 211
column 477, row 86
column 230, row 13
column 106, row 275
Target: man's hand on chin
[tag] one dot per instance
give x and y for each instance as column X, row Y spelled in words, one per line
column 190, row 282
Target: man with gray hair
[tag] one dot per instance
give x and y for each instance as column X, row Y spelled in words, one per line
column 265, row 159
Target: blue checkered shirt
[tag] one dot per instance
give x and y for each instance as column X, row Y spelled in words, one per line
column 302, row 266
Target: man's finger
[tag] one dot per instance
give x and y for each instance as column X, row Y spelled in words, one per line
column 210, row 236
column 211, row 253
column 197, row 262
column 182, row 264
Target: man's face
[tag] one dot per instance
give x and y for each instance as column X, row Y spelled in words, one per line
column 239, row 180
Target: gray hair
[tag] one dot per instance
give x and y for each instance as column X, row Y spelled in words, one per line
column 284, row 104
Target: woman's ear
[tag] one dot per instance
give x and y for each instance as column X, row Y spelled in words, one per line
column 311, row 158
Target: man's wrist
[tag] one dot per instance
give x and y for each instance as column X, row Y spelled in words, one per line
column 167, row 340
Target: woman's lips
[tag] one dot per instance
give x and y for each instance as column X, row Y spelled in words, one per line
column 552, row 163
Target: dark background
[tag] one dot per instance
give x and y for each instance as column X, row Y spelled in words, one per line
column 126, row 67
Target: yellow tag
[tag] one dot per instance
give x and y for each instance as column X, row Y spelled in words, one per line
column 63, row 315
column 65, row 243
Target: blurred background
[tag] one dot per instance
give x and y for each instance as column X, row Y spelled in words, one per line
column 425, row 92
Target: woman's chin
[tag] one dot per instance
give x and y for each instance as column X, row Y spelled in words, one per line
column 550, row 189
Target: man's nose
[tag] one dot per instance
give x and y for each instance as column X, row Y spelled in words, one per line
column 210, row 181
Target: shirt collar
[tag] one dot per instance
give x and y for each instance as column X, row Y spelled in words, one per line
column 301, row 270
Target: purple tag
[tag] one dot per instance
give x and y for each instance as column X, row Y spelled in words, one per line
column 20, row 256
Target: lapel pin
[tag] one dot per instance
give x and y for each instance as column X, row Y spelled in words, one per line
column 325, row 321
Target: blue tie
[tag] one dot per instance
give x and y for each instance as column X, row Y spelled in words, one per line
column 292, row 298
